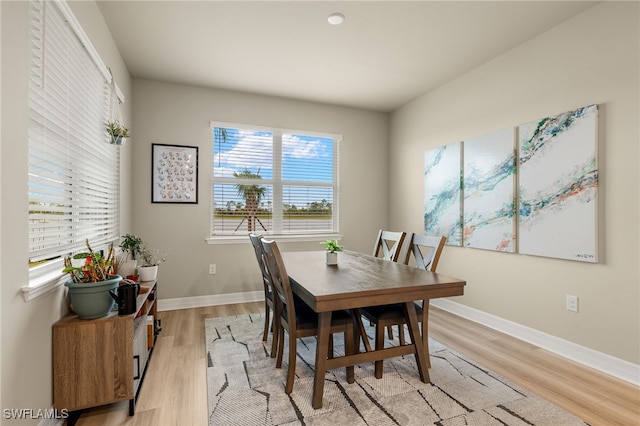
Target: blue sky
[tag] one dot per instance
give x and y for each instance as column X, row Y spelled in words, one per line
column 305, row 158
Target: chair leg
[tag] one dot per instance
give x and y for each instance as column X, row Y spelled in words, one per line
column 275, row 333
column 361, row 332
column 379, row 345
column 401, row 334
column 280, row 346
column 351, row 340
column 291, row 372
column 330, row 348
column 267, row 311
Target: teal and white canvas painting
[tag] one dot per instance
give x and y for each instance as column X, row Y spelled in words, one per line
column 558, row 186
column 442, row 195
column 489, row 191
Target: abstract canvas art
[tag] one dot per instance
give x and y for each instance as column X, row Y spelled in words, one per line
column 489, row 191
column 558, row 186
column 442, row 182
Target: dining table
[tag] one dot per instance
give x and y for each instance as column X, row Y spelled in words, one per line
column 359, row 280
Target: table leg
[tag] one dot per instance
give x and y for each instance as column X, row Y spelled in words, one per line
column 324, row 329
column 416, row 339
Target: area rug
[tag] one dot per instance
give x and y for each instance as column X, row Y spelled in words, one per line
column 245, row 388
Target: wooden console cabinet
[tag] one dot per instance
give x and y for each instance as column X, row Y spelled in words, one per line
column 102, row 361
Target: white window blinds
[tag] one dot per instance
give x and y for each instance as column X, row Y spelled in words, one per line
column 73, row 170
column 272, row 181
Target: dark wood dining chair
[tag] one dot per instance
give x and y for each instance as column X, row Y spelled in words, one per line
column 298, row 319
column 269, row 305
column 426, row 251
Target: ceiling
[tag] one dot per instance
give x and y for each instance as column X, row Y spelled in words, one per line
column 384, row 55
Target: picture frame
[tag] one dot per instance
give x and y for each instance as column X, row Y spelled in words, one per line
column 174, row 174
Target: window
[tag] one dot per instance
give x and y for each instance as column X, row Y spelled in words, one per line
column 272, row 181
column 73, row 170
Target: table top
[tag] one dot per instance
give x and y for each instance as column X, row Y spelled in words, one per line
column 360, row 280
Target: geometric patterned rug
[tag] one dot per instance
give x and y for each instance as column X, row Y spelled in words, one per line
column 244, row 387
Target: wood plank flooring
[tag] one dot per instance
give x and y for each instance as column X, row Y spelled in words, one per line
column 174, row 391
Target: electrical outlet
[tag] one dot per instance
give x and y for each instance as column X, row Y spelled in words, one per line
column 572, row 303
column 212, row 269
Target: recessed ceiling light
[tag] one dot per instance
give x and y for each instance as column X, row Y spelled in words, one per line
column 336, row 18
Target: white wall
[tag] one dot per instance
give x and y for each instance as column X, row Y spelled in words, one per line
column 592, row 58
column 25, row 330
column 176, row 114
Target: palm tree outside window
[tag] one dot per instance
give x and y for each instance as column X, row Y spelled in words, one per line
column 273, row 181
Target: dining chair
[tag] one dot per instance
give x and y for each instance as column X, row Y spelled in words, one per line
column 426, row 251
column 388, row 246
column 298, row 319
column 269, row 305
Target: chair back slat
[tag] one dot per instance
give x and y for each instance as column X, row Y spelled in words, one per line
column 426, row 250
column 279, row 279
column 388, row 245
column 256, row 242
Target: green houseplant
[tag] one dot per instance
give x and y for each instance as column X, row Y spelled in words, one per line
column 91, row 282
column 131, row 246
column 117, row 132
column 332, row 247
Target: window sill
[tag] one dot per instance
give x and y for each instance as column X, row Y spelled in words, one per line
column 242, row 239
column 43, row 285
column 43, row 279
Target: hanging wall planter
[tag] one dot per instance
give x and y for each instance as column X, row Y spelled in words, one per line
column 117, row 132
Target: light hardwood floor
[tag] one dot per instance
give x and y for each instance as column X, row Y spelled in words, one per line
column 174, row 390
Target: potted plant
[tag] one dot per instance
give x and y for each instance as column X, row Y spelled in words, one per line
column 91, row 282
column 151, row 258
column 332, row 247
column 117, row 131
column 131, row 246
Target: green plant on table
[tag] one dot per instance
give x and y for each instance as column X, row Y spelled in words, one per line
column 95, row 268
column 332, row 246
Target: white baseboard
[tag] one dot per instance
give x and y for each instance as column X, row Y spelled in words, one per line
column 210, row 300
column 624, row 370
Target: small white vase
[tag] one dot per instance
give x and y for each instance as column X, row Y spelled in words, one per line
column 332, row 258
column 148, row 273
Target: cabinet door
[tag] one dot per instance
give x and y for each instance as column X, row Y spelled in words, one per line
column 140, row 350
column 89, row 366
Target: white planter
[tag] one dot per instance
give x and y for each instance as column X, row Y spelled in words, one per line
column 148, row 273
column 332, row 258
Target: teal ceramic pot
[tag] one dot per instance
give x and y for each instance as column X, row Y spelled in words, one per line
column 92, row 300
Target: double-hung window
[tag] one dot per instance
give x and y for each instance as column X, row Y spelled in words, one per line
column 73, row 183
column 273, row 182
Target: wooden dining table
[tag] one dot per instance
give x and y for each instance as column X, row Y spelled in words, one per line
column 357, row 281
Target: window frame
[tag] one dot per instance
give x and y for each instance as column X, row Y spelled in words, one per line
column 277, row 182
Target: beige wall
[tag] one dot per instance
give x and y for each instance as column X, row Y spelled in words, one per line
column 25, row 328
column 175, row 114
column 592, row 58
